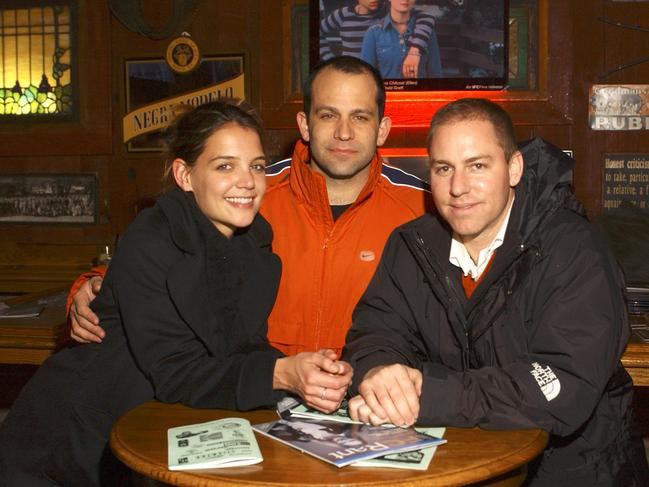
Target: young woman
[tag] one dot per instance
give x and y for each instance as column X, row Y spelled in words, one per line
column 185, row 299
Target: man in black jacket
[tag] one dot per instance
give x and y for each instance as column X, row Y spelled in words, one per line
column 505, row 310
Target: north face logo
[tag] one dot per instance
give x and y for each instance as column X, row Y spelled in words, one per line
column 547, row 381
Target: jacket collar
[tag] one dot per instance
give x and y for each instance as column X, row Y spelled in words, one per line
column 177, row 207
column 186, row 279
column 182, row 226
column 310, row 186
column 388, row 23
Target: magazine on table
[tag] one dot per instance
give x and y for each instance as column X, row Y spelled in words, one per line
column 290, row 407
column 341, row 443
column 222, row 443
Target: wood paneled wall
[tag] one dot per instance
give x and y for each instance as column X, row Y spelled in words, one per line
column 575, row 49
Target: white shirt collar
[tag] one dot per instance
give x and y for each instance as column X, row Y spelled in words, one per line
column 459, row 255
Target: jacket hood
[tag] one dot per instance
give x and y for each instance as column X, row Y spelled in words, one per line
column 545, row 186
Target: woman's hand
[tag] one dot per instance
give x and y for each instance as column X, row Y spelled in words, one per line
column 317, row 377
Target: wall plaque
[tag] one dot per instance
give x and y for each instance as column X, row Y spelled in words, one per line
column 183, row 54
column 619, row 107
column 626, row 177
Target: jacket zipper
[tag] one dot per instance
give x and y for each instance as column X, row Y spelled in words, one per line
column 318, row 322
column 453, row 300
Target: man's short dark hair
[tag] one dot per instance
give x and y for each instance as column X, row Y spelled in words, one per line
column 477, row 109
column 350, row 65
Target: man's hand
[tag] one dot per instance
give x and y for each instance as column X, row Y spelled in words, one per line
column 388, row 393
column 359, row 411
column 411, row 63
column 85, row 324
column 318, row 377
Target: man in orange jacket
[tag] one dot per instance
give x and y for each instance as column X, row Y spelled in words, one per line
column 332, row 207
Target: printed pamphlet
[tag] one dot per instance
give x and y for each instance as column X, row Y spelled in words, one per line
column 412, row 460
column 222, row 443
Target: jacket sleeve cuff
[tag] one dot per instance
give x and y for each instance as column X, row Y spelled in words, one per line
column 435, row 370
column 255, row 388
column 439, row 394
column 79, row 281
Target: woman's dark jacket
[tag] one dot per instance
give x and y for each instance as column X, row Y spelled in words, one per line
column 537, row 345
column 184, row 311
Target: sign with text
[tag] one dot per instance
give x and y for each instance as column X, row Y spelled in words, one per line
column 155, row 93
column 619, row 107
column 626, row 177
column 159, row 115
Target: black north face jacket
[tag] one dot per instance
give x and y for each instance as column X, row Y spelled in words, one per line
column 537, row 345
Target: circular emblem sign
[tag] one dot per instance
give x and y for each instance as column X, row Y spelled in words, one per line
column 183, row 54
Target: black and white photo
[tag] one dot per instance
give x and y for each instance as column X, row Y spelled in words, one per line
column 48, row 198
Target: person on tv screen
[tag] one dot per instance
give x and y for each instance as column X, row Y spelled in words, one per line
column 385, row 45
column 342, row 32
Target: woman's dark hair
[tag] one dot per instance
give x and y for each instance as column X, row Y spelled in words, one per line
column 186, row 137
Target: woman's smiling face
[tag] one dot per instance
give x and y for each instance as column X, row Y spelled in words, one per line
column 228, row 179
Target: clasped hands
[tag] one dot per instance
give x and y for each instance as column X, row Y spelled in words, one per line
column 387, row 394
column 319, row 378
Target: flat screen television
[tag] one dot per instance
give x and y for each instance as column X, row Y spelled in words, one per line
column 462, row 44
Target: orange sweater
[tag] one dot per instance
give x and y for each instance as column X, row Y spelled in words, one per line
column 327, row 265
column 470, row 285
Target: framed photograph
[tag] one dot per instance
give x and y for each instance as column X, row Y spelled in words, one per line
column 48, row 198
column 421, row 45
column 151, row 86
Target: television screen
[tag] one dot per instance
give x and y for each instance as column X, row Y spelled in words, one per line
column 418, row 45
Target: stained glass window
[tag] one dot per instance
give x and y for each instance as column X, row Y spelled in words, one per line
column 36, row 68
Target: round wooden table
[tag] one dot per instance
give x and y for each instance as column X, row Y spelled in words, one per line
column 139, row 439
